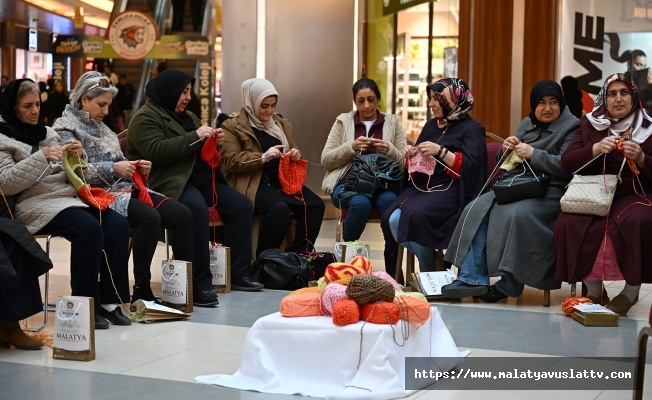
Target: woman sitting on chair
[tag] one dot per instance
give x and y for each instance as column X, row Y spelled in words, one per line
column 521, row 231
column 109, row 169
column 424, row 215
column 363, row 131
column 614, row 136
column 48, row 204
column 255, row 142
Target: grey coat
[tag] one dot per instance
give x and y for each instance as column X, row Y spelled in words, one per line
column 520, row 233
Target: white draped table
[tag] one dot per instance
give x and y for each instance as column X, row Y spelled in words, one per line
column 312, row 356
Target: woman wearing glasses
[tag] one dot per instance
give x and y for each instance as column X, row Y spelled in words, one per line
column 48, row 204
column 109, row 169
column 594, row 249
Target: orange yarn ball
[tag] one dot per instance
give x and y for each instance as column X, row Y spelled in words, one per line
column 413, row 310
column 346, row 312
column 380, row 313
column 362, row 262
column 301, row 305
column 567, row 305
column 313, row 289
column 339, row 272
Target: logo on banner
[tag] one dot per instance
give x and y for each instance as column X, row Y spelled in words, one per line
column 132, row 34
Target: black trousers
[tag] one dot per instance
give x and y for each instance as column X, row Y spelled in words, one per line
column 236, row 212
column 20, row 296
column 90, row 231
column 146, row 221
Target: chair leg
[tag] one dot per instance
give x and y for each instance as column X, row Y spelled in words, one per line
column 573, row 289
column 339, row 227
column 167, row 245
column 546, row 298
column 46, row 305
column 398, row 276
column 639, row 371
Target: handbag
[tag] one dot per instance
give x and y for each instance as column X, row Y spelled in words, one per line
column 520, row 187
column 281, row 270
column 590, row 194
column 370, row 174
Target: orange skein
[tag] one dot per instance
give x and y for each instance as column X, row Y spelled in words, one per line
column 292, row 174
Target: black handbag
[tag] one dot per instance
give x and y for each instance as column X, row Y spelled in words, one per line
column 520, row 187
column 370, row 174
column 284, row 271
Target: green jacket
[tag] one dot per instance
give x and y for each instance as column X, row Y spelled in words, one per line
column 155, row 136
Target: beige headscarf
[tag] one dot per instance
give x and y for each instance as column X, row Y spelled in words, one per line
column 254, row 91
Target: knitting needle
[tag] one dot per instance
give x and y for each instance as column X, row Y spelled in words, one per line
column 445, row 166
column 196, row 141
column 43, row 173
column 528, row 165
column 255, row 159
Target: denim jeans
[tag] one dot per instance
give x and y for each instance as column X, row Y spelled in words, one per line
column 424, row 254
column 359, row 208
column 475, row 272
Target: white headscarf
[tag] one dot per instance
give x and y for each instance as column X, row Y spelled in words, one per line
column 637, row 118
column 254, row 91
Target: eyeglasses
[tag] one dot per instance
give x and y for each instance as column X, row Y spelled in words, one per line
column 103, row 83
column 622, row 92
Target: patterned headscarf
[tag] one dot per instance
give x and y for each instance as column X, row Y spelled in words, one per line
column 455, row 98
column 637, row 118
column 254, row 91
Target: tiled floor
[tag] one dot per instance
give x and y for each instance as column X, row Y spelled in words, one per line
column 160, row 361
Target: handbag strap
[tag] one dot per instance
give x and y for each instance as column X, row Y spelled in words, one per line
column 604, row 166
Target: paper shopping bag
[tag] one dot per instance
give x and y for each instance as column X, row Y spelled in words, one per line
column 74, row 329
column 220, row 264
column 353, row 249
column 148, row 311
column 176, row 285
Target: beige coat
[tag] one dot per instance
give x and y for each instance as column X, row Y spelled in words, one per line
column 240, row 144
column 37, row 204
column 338, row 153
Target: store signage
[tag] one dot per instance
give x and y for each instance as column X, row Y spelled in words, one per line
column 394, row 6
column 204, row 92
column 32, row 40
column 132, row 34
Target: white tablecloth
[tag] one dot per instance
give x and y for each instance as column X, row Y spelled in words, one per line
column 312, row 356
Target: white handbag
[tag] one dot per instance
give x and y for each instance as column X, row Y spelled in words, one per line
column 590, row 194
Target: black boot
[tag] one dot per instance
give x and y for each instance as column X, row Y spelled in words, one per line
column 143, row 293
column 390, row 263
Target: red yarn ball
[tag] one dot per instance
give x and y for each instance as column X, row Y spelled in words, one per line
column 567, row 305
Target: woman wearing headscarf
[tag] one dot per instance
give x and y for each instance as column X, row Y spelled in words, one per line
column 165, row 133
column 146, row 211
column 255, row 141
column 521, row 247
column 48, row 204
column 424, row 215
column 365, row 130
column 592, row 248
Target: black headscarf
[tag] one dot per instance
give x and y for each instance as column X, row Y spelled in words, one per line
column 166, row 88
column 545, row 88
column 31, row 134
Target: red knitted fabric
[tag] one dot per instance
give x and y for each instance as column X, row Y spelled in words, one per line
column 138, row 181
column 210, row 153
column 96, row 197
column 292, row 174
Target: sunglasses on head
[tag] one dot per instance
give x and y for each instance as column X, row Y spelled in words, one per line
column 103, row 83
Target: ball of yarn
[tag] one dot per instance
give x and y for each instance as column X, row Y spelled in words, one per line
column 567, row 305
column 313, row 289
column 346, row 312
column 416, row 295
column 321, row 284
column 301, row 305
column 380, row 313
column 365, row 289
column 330, row 295
column 387, row 277
column 362, row 262
column 413, row 310
column 339, row 272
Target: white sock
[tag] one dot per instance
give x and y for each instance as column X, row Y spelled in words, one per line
column 109, row 307
column 594, row 288
column 631, row 291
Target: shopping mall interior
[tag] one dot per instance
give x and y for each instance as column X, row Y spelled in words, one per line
column 313, row 51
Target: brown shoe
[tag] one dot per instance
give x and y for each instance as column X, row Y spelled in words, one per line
column 11, row 333
column 596, row 300
column 621, row 304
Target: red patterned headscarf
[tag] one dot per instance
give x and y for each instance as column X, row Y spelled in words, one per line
column 455, row 98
